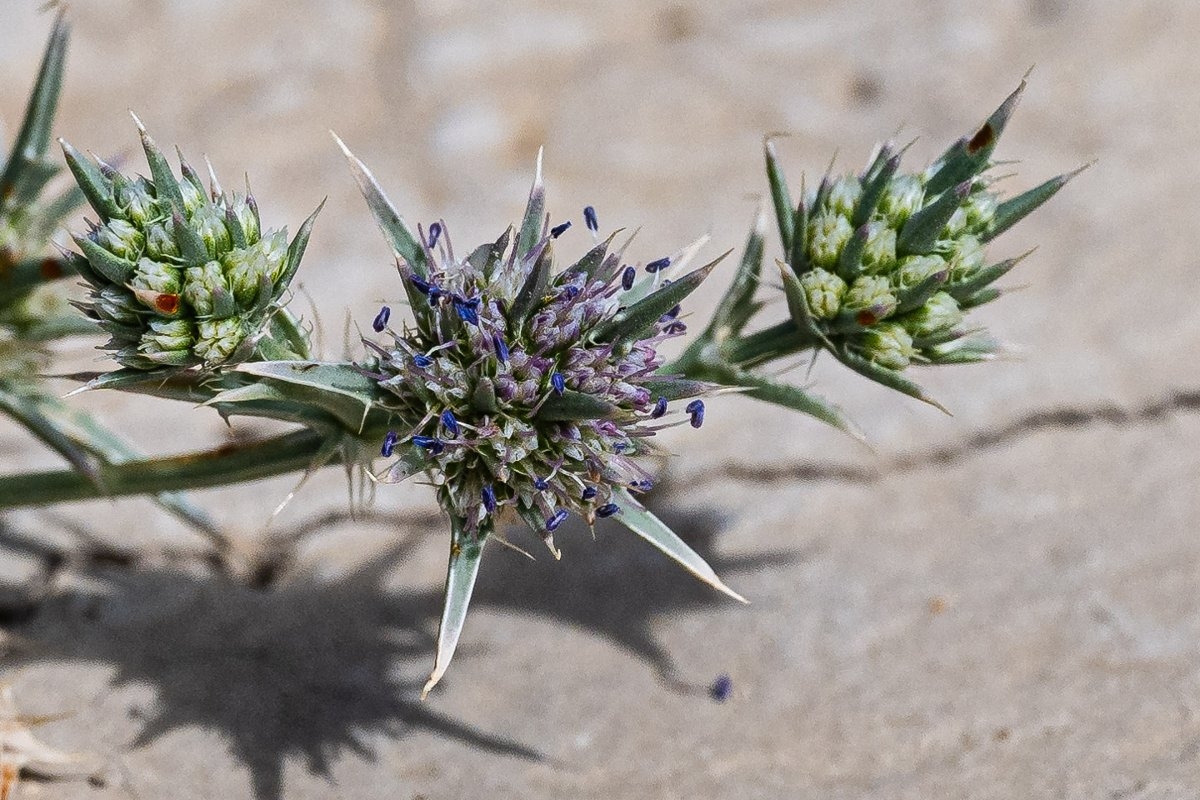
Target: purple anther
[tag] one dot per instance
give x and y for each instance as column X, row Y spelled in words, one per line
column 589, row 493
column 721, row 688
column 449, row 422
column 628, row 277
column 420, row 284
column 607, row 510
column 658, row 266
column 559, row 517
column 660, row 408
column 381, row 319
column 488, row 495
column 430, row 443
column 501, row 348
column 589, row 217
column 675, row 328
column 540, row 484
column 559, row 383
column 389, row 444
column 435, row 230
column 696, row 410
column 467, row 310
column 422, row 361
column 559, row 229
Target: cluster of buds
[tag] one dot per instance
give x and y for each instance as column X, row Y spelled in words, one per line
column 182, row 276
column 879, row 269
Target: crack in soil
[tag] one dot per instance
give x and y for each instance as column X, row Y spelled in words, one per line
column 1052, row 419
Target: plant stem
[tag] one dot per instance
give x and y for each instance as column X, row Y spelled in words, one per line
column 217, row 467
column 783, row 339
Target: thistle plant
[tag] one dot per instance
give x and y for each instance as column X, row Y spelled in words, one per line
column 181, row 276
column 522, row 390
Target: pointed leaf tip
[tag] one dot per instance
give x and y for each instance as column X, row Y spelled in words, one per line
column 461, row 572
column 638, row 519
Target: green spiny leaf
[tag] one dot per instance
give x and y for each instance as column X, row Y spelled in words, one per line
column 116, row 269
column 967, row 157
column 92, row 182
column 339, row 389
column 780, row 197
column 885, row 377
column 921, row 231
column 166, row 187
column 403, row 243
column 737, row 306
column 465, row 556
column 34, row 137
column 572, row 406
column 632, row 321
column 984, row 277
column 638, row 519
column 1015, row 209
column 535, row 212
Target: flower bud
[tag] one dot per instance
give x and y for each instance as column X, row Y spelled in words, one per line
column 888, row 345
column 217, row 339
column 940, row 313
column 210, row 224
column 824, row 291
column 871, row 292
column 844, row 195
column 903, row 196
column 160, row 242
column 199, row 284
column 245, row 268
column 879, row 253
column 965, row 258
column 167, row 342
column 827, row 235
column 155, row 276
column 121, row 239
column 114, row 304
column 981, row 210
column 915, row 270
column 186, row 267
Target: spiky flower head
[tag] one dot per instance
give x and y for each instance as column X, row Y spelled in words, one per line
column 181, row 275
column 523, row 388
column 531, row 389
column 882, row 267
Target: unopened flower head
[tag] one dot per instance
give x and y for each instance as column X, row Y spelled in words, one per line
column 532, row 391
column 181, row 275
column 909, row 247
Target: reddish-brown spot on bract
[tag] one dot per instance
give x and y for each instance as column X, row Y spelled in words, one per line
column 51, row 268
column 865, row 318
column 982, row 138
column 167, row 303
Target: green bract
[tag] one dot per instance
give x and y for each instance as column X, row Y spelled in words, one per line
column 182, row 276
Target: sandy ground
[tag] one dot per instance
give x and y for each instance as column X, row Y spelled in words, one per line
column 1000, row 604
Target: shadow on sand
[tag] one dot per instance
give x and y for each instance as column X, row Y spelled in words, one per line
column 312, row 670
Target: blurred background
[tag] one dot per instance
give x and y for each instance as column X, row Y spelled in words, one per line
column 995, row 604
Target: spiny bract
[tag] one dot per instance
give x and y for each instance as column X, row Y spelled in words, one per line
column 181, row 276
